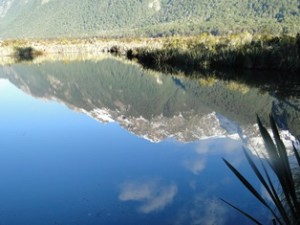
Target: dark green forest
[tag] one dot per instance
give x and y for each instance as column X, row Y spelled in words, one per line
column 77, row 18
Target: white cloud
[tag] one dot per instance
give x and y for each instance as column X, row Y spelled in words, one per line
column 213, row 213
column 228, row 146
column 202, row 148
column 136, row 191
column 195, row 166
column 205, row 148
column 164, row 197
column 152, row 195
column 203, row 210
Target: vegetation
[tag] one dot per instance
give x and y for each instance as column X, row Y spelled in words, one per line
column 26, row 53
column 236, row 51
column 184, row 54
column 181, row 56
column 286, row 198
column 69, row 18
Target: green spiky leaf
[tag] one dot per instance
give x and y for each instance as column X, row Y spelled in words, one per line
column 243, row 212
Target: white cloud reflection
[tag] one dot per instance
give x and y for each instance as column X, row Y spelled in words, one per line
column 203, row 210
column 205, row 149
column 212, row 213
column 225, row 145
column 152, row 195
column 195, row 166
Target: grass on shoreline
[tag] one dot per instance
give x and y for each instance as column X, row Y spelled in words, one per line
column 184, row 54
column 243, row 51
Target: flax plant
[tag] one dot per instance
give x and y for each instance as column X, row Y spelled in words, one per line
column 285, row 199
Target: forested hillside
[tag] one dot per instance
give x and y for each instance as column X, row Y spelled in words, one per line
column 56, row 18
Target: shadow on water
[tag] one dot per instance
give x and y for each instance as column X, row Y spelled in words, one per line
column 279, row 83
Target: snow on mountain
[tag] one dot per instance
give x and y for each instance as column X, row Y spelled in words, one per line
column 4, row 7
column 213, row 125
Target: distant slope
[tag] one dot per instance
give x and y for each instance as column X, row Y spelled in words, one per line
column 62, row 18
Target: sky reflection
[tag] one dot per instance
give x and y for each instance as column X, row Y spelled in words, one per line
column 152, row 195
column 59, row 166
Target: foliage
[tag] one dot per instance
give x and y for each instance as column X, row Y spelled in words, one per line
column 285, row 199
column 26, row 53
column 36, row 18
column 237, row 51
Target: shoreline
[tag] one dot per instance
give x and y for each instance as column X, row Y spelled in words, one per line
column 77, row 46
column 178, row 54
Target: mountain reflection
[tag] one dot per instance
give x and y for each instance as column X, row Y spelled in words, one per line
column 69, row 169
column 153, row 105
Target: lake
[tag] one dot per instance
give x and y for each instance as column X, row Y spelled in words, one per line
column 107, row 142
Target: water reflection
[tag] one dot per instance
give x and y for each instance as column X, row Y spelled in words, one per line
column 68, row 168
column 152, row 105
column 152, row 195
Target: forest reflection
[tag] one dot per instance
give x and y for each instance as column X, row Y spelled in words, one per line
column 157, row 105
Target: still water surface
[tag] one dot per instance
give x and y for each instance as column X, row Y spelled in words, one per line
column 109, row 143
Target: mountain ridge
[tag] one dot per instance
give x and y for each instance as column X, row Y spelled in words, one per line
column 54, row 18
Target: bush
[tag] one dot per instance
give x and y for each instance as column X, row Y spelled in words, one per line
column 26, row 53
